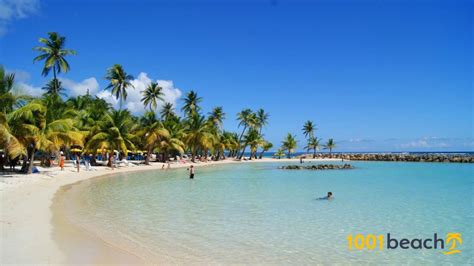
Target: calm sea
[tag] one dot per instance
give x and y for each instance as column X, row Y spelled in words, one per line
column 256, row 213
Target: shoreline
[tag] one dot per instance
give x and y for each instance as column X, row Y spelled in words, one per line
column 28, row 222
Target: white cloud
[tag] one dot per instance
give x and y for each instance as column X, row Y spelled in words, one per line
column 134, row 96
column 28, row 89
column 427, row 142
column 74, row 89
column 16, row 9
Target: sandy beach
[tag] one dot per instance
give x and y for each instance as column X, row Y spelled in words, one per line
column 27, row 218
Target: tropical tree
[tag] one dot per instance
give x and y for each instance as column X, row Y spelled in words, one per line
column 308, row 129
column 244, row 118
column 115, row 133
column 289, row 144
column 252, row 139
column 174, row 142
column 53, row 53
column 152, row 133
column 13, row 147
column 330, row 145
column 279, row 153
column 151, row 95
column 8, row 98
column 313, row 144
column 54, row 88
column 216, row 117
column 266, row 146
column 167, row 111
column 191, row 104
column 197, row 134
column 262, row 119
column 31, row 126
column 120, row 81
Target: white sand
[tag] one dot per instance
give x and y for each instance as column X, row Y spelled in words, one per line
column 26, row 217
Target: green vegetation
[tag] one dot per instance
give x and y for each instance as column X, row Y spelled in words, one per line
column 53, row 123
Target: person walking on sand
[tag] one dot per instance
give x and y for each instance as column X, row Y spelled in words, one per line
column 61, row 161
column 191, row 172
column 169, row 165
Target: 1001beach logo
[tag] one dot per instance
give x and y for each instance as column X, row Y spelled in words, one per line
column 449, row 245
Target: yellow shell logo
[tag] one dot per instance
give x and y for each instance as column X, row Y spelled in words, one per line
column 452, row 239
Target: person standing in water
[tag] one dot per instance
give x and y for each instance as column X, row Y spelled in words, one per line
column 191, row 172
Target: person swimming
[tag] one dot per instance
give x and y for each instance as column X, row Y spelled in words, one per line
column 328, row 197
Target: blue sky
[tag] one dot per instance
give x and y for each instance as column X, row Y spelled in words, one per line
column 374, row 75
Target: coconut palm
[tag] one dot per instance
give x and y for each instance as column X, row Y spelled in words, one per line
column 244, row 118
column 53, row 53
column 8, row 98
column 216, row 117
column 191, row 104
column 115, row 133
column 54, row 88
column 120, row 81
column 313, row 144
column 279, row 153
column 266, row 146
column 330, row 144
column 308, row 129
column 262, row 119
column 167, row 111
column 251, row 139
column 13, row 147
column 151, row 95
column 197, row 134
column 289, row 144
column 173, row 143
column 31, row 126
column 152, row 132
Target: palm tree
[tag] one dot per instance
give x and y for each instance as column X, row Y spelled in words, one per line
column 308, row 129
column 115, row 133
column 119, row 82
column 191, row 104
column 330, row 144
column 252, row 139
column 54, row 88
column 313, row 144
column 8, row 98
column 152, row 133
column 152, row 94
column 216, row 117
column 167, row 111
column 262, row 119
column 197, row 134
column 244, row 120
column 13, row 147
column 279, row 153
column 53, row 54
column 289, row 144
column 31, row 126
column 266, row 146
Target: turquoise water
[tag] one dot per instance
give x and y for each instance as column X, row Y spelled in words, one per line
column 256, row 213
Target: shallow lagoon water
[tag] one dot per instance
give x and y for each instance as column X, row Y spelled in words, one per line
column 256, row 213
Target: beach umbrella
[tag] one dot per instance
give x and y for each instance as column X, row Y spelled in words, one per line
column 76, row 150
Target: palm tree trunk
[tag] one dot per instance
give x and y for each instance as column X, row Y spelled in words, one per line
column 289, row 154
column 32, row 158
column 243, row 151
column 330, row 153
column 109, row 164
column 314, row 153
column 148, row 156
column 261, row 154
column 241, row 135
